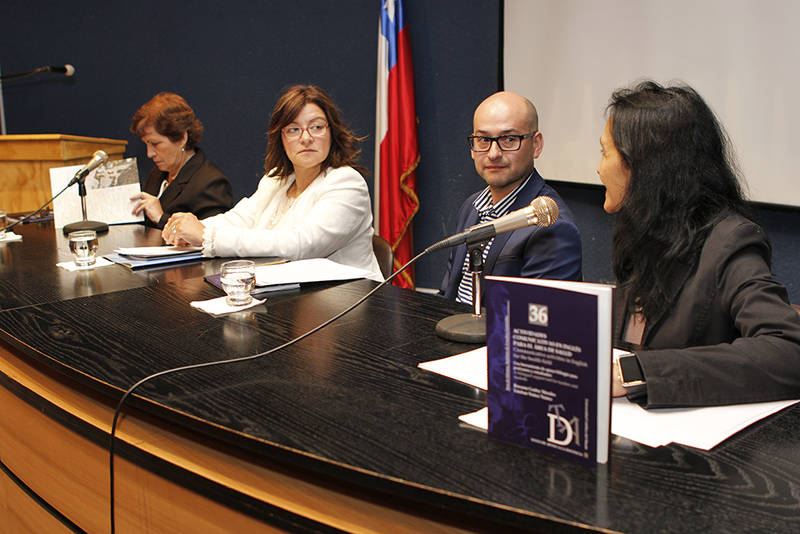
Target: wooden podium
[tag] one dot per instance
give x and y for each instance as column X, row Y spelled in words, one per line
column 25, row 162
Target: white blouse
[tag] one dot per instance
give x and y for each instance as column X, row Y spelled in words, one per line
column 331, row 219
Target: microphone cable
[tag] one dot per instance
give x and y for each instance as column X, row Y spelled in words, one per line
column 25, row 218
column 75, row 180
column 317, row 328
column 25, row 74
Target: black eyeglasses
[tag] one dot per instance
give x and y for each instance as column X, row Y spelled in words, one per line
column 508, row 142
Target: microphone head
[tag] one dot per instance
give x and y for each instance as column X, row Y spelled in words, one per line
column 69, row 70
column 545, row 210
column 101, row 156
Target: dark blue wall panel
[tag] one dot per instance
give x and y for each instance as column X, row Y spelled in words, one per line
column 228, row 59
column 231, row 60
column 456, row 50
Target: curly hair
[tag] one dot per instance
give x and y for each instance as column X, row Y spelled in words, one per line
column 169, row 115
column 344, row 143
column 683, row 181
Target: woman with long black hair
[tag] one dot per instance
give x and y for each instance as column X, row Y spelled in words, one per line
column 696, row 301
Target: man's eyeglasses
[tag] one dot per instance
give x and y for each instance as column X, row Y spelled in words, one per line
column 315, row 129
column 508, row 142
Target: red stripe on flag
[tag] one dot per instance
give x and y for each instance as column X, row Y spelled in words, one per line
column 399, row 155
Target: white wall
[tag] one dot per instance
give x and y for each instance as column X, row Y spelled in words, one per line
column 742, row 56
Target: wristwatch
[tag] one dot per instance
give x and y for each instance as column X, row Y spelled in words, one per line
column 630, row 371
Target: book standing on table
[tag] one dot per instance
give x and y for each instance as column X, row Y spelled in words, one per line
column 549, row 363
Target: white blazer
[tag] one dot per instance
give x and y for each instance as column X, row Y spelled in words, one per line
column 331, row 219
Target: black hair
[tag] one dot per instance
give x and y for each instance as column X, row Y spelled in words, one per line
column 683, row 181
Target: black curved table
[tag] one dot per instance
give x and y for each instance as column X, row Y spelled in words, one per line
column 340, row 432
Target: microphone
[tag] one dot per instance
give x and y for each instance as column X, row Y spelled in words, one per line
column 67, row 69
column 98, row 158
column 542, row 211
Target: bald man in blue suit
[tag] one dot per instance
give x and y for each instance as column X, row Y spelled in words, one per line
column 504, row 144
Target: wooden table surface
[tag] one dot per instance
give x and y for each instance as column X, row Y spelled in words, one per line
column 348, row 406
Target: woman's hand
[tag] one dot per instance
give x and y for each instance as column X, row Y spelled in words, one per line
column 150, row 205
column 183, row 229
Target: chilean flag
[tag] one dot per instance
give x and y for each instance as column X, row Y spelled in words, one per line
column 396, row 150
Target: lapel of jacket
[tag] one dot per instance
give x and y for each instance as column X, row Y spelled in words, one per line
column 676, row 281
column 184, row 175
column 525, row 196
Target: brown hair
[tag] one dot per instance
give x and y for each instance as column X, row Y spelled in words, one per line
column 344, row 150
column 169, row 115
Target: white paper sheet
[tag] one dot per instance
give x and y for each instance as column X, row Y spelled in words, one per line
column 72, row 266
column 304, row 271
column 468, row 367
column 479, row 419
column 155, row 252
column 702, row 428
column 109, row 189
column 9, row 236
column 219, row 306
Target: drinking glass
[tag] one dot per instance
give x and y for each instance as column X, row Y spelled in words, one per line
column 83, row 245
column 238, row 278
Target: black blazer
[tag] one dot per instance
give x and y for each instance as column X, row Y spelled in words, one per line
column 531, row 252
column 200, row 188
column 729, row 335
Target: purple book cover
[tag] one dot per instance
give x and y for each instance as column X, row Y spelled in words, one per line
column 542, row 345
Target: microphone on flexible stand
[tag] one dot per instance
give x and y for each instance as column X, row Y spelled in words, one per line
column 67, row 70
column 99, row 158
column 471, row 327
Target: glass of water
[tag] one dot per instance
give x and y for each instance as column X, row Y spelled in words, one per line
column 83, row 245
column 238, row 278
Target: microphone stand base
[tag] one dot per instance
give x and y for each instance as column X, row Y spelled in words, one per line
column 98, row 227
column 463, row 328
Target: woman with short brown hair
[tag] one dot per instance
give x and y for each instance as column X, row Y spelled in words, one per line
column 183, row 179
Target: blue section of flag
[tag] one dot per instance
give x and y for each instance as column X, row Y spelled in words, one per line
column 390, row 28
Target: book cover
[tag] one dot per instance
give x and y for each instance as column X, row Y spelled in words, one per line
column 549, row 365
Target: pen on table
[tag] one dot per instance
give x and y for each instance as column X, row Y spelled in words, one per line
column 276, row 262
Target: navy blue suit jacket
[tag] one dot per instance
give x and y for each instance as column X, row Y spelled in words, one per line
column 531, row 252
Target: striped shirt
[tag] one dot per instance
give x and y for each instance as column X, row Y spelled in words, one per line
column 486, row 212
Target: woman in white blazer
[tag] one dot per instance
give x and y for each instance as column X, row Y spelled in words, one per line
column 311, row 203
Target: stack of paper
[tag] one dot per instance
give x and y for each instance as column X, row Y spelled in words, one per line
column 702, row 428
column 138, row 257
column 305, row 271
